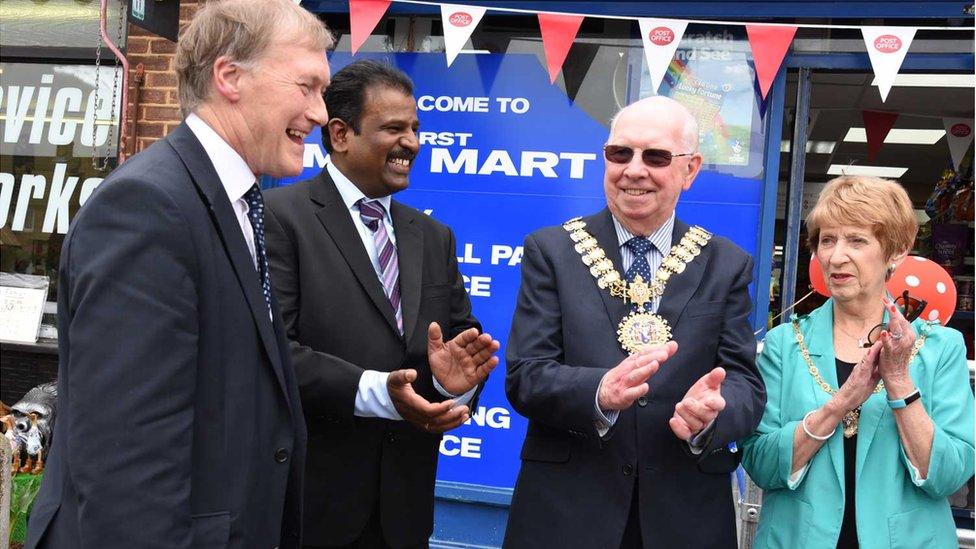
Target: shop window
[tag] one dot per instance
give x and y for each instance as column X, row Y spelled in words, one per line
column 52, row 124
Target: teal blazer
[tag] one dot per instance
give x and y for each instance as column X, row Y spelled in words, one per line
column 894, row 509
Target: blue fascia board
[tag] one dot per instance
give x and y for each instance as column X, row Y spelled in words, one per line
column 473, row 493
column 705, row 9
column 860, row 61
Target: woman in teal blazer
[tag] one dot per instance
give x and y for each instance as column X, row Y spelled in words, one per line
column 868, row 426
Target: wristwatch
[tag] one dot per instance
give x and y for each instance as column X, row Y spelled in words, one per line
column 902, row 402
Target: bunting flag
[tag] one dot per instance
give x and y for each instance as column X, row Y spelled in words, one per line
column 661, row 38
column 558, row 32
column 887, row 47
column 959, row 136
column 769, row 44
column 459, row 22
column 877, row 124
column 364, row 15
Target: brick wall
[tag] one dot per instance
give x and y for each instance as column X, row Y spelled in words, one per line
column 155, row 105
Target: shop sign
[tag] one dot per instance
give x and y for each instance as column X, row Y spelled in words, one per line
column 53, row 120
column 887, row 43
column 460, row 19
column 661, row 36
column 960, row 130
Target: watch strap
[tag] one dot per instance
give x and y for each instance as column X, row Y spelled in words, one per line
column 903, row 402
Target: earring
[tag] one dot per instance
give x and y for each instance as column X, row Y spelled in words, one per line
column 889, row 271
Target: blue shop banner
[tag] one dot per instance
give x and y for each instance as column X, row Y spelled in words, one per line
column 504, row 152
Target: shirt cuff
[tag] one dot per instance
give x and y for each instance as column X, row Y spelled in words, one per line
column 373, row 398
column 917, row 479
column 797, row 477
column 602, row 420
column 698, row 442
column 459, row 400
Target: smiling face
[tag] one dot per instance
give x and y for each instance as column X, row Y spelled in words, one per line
column 280, row 101
column 642, row 197
column 379, row 157
column 853, row 262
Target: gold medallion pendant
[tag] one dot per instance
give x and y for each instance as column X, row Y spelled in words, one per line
column 638, row 330
column 641, row 327
column 850, row 421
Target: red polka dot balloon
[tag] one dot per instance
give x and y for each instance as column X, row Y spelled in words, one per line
column 925, row 279
column 817, row 278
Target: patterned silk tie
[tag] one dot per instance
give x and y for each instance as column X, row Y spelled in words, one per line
column 639, row 246
column 372, row 213
column 255, row 212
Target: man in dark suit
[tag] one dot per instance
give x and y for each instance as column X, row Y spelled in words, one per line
column 631, row 305
column 179, row 420
column 369, row 288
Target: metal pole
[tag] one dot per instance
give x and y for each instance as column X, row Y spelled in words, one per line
column 794, row 209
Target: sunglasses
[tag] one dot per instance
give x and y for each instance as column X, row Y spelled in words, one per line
column 910, row 307
column 654, row 158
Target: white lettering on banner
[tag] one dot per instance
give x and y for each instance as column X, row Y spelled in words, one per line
column 706, row 46
column 453, row 445
column 499, row 161
column 501, row 252
column 33, row 187
column 477, row 286
column 314, row 156
column 61, row 128
column 445, row 103
column 443, row 138
column 6, row 193
column 469, row 256
column 57, row 202
column 518, row 105
column 496, row 418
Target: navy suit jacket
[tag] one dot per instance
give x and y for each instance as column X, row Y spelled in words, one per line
column 179, row 422
column 574, row 488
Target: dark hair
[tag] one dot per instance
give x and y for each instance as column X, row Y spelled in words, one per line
column 346, row 94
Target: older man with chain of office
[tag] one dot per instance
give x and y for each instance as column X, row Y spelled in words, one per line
column 632, row 306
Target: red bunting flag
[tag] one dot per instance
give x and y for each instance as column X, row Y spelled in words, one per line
column 363, row 18
column 558, row 32
column 769, row 44
column 877, row 124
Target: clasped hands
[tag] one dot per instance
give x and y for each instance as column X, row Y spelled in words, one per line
column 886, row 360
column 459, row 365
column 627, row 381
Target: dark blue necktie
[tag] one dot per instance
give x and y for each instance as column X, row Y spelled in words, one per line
column 639, row 246
column 255, row 212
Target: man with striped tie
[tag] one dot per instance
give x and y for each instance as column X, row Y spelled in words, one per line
column 387, row 352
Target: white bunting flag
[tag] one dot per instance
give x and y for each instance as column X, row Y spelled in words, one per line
column 459, row 22
column 959, row 135
column 887, row 47
column 661, row 38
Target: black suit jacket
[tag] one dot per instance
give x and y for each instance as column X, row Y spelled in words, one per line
column 574, row 489
column 179, row 422
column 340, row 322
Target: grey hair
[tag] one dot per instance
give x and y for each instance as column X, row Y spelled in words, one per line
column 241, row 30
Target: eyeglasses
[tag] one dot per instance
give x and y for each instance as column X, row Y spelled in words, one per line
column 910, row 308
column 654, row 158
